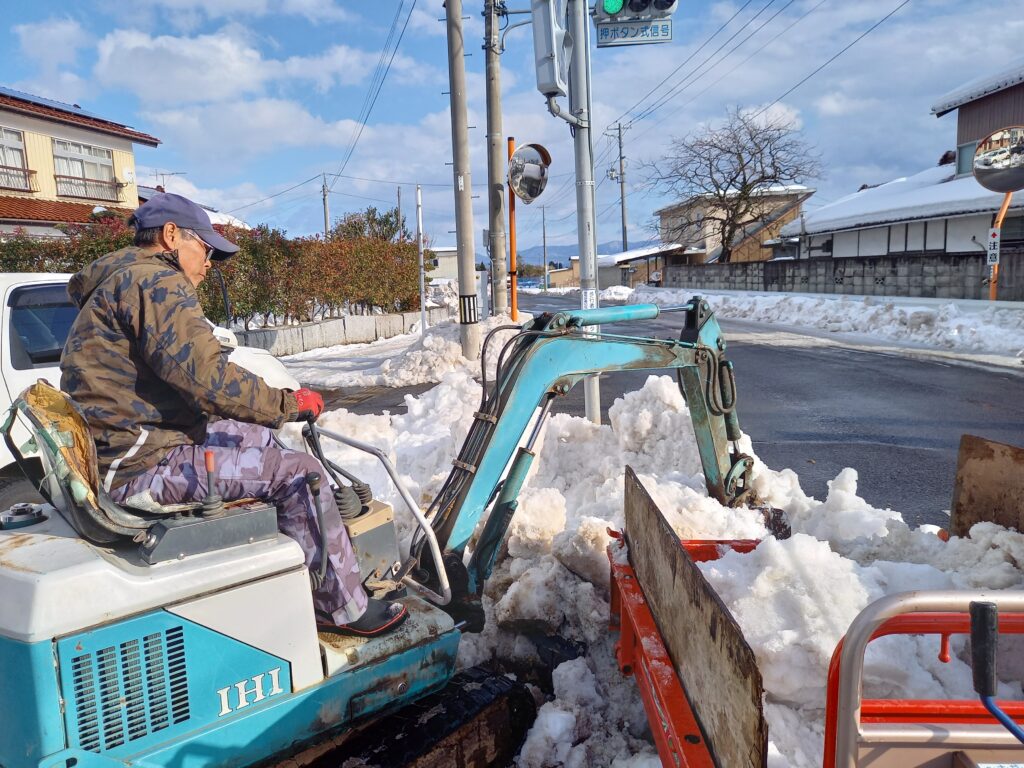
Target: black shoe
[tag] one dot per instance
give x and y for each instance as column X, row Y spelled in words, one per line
column 378, row 619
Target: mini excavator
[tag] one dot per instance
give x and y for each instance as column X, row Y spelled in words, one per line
column 184, row 636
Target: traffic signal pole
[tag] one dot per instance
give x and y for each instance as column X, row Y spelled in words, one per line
column 586, row 220
column 495, row 161
column 469, row 316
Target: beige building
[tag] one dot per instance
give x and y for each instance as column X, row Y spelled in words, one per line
column 691, row 224
column 59, row 162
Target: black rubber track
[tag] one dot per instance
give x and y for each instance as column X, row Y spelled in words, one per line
column 479, row 720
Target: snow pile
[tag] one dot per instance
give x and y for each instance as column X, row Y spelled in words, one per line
column 946, row 326
column 616, row 293
column 794, row 598
column 400, row 361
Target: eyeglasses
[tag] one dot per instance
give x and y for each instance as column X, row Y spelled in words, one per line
column 210, row 250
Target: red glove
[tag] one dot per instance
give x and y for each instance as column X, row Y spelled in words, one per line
column 310, row 404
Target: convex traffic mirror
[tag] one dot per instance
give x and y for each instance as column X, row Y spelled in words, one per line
column 999, row 160
column 528, row 171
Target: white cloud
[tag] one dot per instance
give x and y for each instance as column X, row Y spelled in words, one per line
column 221, row 198
column 173, row 70
column 53, row 46
column 837, row 103
column 226, row 65
column 235, row 131
column 424, row 20
column 313, row 10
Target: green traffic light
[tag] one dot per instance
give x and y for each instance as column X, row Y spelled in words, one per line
column 611, row 7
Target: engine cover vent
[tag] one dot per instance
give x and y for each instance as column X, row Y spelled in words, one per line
column 126, row 691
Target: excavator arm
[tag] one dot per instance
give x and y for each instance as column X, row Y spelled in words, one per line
column 544, row 361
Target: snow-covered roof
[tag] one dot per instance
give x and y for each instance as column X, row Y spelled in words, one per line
column 931, row 194
column 611, row 259
column 1008, row 76
column 216, row 217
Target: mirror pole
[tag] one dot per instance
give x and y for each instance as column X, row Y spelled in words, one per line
column 513, row 298
column 993, row 279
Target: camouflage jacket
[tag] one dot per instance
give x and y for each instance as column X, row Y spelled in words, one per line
column 142, row 362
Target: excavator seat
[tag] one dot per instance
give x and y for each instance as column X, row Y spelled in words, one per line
column 69, row 480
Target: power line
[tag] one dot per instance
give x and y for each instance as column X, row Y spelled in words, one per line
column 683, row 64
column 276, row 194
column 860, row 37
column 361, row 197
column 711, row 85
column 696, row 74
column 389, row 181
column 375, row 89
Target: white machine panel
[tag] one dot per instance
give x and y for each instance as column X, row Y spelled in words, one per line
column 274, row 615
column 54, row 583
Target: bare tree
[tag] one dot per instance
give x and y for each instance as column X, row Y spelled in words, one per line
column 725, row 176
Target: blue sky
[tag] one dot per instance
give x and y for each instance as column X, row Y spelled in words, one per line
column 253, row 96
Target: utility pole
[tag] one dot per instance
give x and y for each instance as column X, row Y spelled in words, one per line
column 469, row 319
column 419, row 249
column 399, row 214
column 327, row 212
column 495, row 160
column 620, row 176
column 544, row 241
column 586, row 224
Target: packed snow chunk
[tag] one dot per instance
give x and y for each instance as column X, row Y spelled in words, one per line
column 549, row 740
column 794, row 600
column 582, row 551
column 643, row 760
column 843, row 516
column 538, row 518
column 694, row 515
column 536, row 599
column 654, row 429
column 576, row 685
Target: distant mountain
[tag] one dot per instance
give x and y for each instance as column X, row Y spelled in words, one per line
column 562, row 253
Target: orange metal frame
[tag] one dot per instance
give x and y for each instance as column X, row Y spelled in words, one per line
column 918, row 710
column 641, row 652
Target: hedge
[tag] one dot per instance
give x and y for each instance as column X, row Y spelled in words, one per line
column 273, row 278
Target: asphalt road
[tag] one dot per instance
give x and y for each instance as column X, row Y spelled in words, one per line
column 816, row 403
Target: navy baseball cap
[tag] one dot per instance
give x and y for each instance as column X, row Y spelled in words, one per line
column 164, row 207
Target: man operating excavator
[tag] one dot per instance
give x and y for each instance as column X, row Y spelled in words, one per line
column 142, row 362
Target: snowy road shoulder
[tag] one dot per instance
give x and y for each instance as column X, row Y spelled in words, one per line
column 981, row 331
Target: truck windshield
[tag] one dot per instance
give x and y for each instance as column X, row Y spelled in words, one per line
column 41, row 317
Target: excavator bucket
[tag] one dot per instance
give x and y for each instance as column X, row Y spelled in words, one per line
column 722, row 687
column 989, row 485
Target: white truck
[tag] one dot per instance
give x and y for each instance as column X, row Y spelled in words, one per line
column 37, row 316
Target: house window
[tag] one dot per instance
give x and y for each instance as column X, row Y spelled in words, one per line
column 965, row 158
column 84, row 171
column 14, row 173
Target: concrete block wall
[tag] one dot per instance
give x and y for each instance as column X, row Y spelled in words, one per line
column 944, row 276
column 351, row 329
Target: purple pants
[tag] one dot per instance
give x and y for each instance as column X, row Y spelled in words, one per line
column 251, row 465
